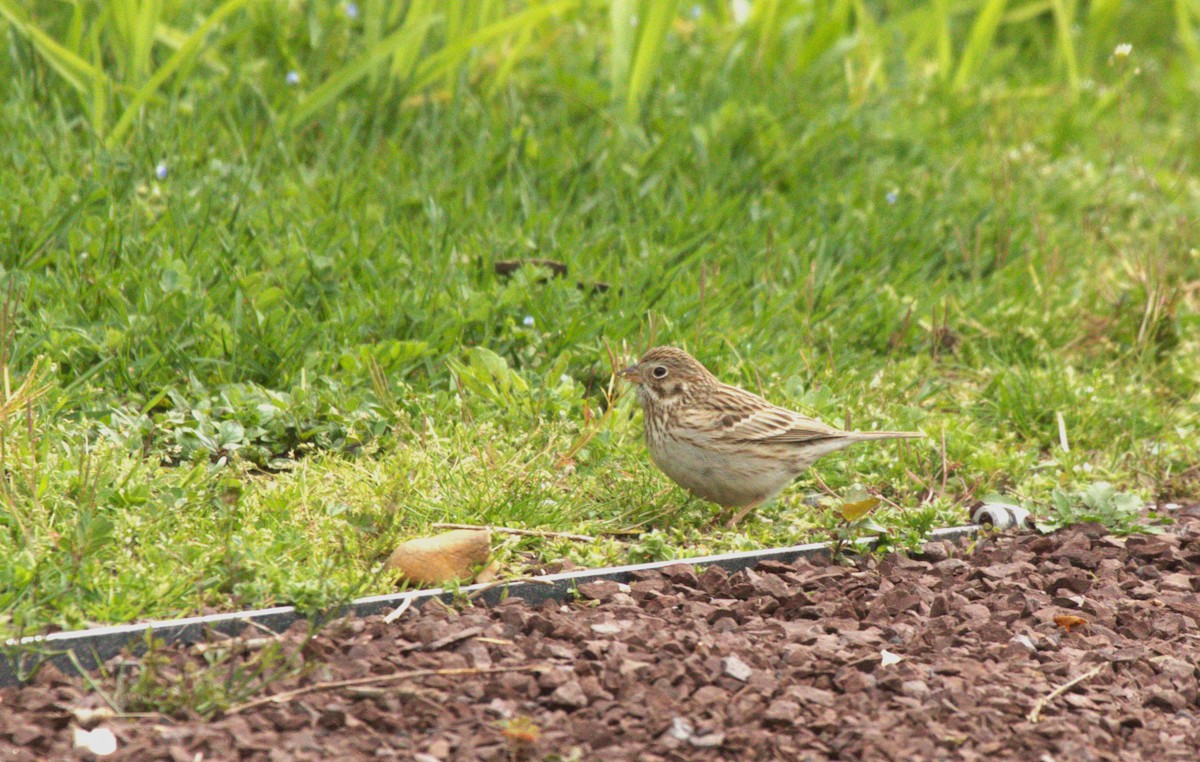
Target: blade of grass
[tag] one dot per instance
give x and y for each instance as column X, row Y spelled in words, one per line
column 622, row 34
column 979, row 42
column 1064, row 19
column 186, row 52
column 1101, row 19
column 441, row 63
column 422, row 16
column 828, row 30
column 74, row 70
column 945, row 52
column 1185, row 12
column 328, row 91
column 647, row 60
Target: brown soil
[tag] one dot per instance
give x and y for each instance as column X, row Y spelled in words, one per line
column 783, row 662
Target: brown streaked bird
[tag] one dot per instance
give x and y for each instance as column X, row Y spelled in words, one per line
column 725, row 444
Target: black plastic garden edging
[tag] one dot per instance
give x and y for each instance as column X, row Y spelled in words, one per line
column 89, row 648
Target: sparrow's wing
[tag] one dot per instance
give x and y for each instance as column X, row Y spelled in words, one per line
column 738, row 416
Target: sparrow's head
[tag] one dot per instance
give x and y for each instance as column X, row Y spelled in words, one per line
column 667, row 374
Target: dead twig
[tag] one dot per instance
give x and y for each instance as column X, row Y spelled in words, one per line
column 876, row 493
column 1036, row 714
column 285, row 696
column 821, row 483
column 520, row 532
column 945, row 466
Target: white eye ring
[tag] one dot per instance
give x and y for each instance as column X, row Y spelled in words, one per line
column 659, row 372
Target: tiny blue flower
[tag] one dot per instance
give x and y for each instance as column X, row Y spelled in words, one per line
column 293, row 77
column 528, row 321
column 892, row 197
column 352, row 10
column 160, row 171
column 696, row 11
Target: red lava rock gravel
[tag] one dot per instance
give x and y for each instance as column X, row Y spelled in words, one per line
column 942, row 656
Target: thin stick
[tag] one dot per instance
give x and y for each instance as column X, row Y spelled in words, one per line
column 876, row 493
column 522, row 532
column 1036, row 714
column 285, row 696
column 821, row 483
column 944, row 464
column 396, row 612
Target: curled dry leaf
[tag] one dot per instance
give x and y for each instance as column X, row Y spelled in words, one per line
column 1070, row 621
column 442, row 558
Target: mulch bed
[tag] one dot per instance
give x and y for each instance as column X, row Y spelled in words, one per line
column 784, row 662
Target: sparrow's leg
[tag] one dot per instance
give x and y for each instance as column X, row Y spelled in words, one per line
column 742, row 513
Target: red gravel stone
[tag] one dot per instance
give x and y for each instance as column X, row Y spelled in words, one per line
column 779, row 662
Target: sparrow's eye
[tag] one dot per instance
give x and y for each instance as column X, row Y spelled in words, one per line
column 659, row 372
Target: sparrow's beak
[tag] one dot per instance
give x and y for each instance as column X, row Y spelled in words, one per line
column 630, row 374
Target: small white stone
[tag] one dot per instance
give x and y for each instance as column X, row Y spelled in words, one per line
column 100, row 741
column 681, row 729
column 737, row 669
column 1024, row 641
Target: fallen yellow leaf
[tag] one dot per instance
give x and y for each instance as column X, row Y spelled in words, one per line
column 856, row 510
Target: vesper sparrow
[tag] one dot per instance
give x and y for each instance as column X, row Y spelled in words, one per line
column 725, row 444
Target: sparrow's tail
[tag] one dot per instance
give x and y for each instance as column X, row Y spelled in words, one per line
column 863, row 436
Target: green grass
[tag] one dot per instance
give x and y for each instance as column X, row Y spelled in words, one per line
column 263, row 370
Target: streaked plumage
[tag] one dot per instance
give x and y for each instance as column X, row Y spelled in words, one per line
column 722, row 443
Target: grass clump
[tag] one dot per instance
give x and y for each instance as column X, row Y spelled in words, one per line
column 1098, row 503
column 268, row 347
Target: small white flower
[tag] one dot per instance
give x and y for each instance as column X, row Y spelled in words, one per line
column 293, row 77
column 697, row 11
column 352, row 11
column 160, row 171
column 100, row 741
column 528, row 321
column 1123, row 50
